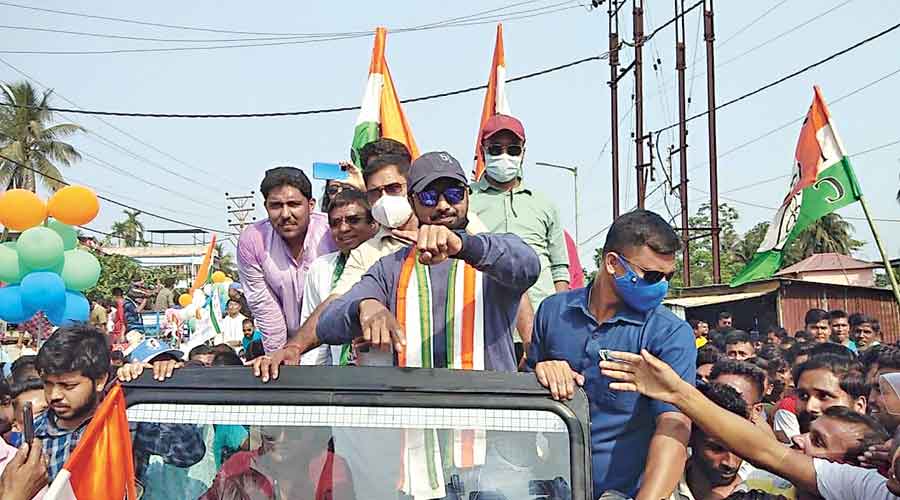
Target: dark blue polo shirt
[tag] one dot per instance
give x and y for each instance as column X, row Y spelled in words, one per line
column 622, row 423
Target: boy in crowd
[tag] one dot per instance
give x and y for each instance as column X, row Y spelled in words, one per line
column 738, row 346
column 817, row 325
column 840, row 329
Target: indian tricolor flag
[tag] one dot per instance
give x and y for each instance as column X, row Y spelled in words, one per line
column 101, row 465
column 495, row 102
column 823, row 182
column 381, row 114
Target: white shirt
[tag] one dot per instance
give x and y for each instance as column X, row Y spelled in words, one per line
column 232, row 329
column 786, row 422
column 316, row 289
column 846, row 482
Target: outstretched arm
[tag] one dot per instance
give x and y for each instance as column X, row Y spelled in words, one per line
column 651, row 377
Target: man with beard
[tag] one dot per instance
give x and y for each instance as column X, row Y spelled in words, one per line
column 712, row 468
column 827, row 380
column 822, row 464
column 273, row 255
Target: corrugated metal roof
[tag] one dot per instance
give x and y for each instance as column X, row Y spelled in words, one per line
column 826, row 262
column 720, row 298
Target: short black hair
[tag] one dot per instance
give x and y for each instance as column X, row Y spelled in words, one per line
column 200, row 350
column 227, row 358
column 349, row 197
column 727, row 397
column 875, row 433
column 870, row 356
column 639, row 228
column 737, row 337
column 247, row 320
column 695, row 322
column 768, row 352
column 708, row 355
column 381, row 147
column 813, row 316
column 889, row 357
column 837, row 313
column 27, row 385
column 802, row 336
column 117, row 356
column 221, row 348
column 381, row 162
column 779, row 332
column 23, row 368
column 858, row 319
column 229, row 301
column 787, row 343
column 80, row 348
column 832, row 348
column 725, row 315
column 117, row 292
column 755, row 495
column 847, row 371
column 797, row 350
column 286, row 176
column 743, row 369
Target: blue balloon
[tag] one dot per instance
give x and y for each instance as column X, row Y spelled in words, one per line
column 11, row 305
column 77, row 310
column 43, row 291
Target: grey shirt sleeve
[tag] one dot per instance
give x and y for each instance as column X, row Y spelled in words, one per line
column 503, row 257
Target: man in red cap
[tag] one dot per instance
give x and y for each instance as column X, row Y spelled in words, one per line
column 505, row 205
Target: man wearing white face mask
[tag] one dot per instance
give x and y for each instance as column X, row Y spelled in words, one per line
column 505, row 205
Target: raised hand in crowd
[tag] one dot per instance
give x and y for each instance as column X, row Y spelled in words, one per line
column 162, row 370
column 355, row 177
column 436, row 244
column 878, row 456
column 26, row 474
column 559, row 377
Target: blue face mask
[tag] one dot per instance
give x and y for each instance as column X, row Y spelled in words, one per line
column 636, row 292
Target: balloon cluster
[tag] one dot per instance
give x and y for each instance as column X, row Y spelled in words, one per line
column 43, row 269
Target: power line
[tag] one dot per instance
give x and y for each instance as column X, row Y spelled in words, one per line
column 751, row 23
column 123, row 205
column 791, row 75
column 313, row 111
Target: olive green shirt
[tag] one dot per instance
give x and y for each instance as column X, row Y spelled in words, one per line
column 533, row 218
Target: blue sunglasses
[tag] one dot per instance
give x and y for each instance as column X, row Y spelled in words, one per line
column 430, row 197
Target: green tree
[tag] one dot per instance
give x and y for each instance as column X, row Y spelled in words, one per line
column 121, row 271
column 225, row 261
column 748, row 245
column 28, row 136
column 130, row 230
column 701, row 247
column 830, row 234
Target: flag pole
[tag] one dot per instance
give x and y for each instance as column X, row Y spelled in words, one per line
column 880, row 245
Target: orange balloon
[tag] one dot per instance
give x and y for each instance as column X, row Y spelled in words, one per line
column 74, row 205
column 185, row 299
column 21, row 209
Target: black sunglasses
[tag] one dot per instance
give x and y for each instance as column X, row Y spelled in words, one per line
column 499, row 149
column 648, row 275
column 430, row 197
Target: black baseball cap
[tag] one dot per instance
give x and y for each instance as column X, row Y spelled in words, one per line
column 432, row 166
column 286, row 176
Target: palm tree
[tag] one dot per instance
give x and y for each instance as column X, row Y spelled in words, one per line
column 225, row 262
column 130, row 230
column 830, row 234
column 28, row 136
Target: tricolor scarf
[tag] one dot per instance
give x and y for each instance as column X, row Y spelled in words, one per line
column 464, row 327
column 339, row 265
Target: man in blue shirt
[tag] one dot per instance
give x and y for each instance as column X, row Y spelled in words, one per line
column 631, row 436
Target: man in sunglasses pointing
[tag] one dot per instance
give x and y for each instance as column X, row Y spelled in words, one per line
column 621, row 311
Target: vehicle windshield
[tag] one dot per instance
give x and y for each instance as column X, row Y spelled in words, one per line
column 358, row 452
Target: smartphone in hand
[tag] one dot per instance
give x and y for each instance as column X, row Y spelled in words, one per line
column 329, row 172
column 28, row 423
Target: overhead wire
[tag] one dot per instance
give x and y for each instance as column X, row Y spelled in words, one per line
column 752, row 23
column 123, row 205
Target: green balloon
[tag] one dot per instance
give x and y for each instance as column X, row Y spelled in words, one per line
column 40, row 249
column 10, row 272
column 66, row 232
column 81, row 270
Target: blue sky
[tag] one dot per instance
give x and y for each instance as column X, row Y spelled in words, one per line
column 566, row 114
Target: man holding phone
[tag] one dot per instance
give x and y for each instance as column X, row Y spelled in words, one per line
column 274, row 255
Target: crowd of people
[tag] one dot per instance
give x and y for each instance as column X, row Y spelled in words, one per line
column 409, row 264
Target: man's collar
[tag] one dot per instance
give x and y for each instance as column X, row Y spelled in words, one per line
column 581, row 300
column 483, row 186
column 45, row 425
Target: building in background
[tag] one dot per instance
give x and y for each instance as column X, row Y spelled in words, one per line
column 832, row 268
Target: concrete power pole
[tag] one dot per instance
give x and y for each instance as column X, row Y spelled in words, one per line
column 638, row 31
column 709, row 37
column 614, row 100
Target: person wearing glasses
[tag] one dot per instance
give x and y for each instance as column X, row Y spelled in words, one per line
column 638, row 445
column 274, row 255
column 505, row 204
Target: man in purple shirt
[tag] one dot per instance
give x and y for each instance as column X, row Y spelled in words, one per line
column 274, row 255
column 438, row 193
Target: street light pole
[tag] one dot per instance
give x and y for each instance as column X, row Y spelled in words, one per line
column 574, row 172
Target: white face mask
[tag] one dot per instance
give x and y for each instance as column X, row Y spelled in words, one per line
column 502, row 168
column 391, row 211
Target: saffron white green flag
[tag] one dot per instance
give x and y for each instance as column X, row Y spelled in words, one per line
column 822, row 182
column 381, row 114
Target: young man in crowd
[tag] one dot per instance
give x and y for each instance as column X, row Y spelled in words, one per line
column 29, row 391
column 747, row 379
column 827, row 380
column 738, row 346
column 712, row 470
column 127, row 314
column 725, row 322
column 867, row 330
column 707, row 357
column 839, row 322
column 638, row 446
column 505, row 205
column 351, row 222
column 251, row 335
column 820, row 467
column 165, row 297
column 776, row 335
column 273, row 255
column 74, row 366
column 817, row 325
column 232, row 325
column 701, row 330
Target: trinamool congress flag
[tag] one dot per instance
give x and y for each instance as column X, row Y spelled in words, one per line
column 495, row 99
column 102, row 465
column 381, row 114
column 822, row 182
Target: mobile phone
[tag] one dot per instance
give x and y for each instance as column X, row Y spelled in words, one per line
column 329, row 172
column 606, row 356
column 28, row 422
